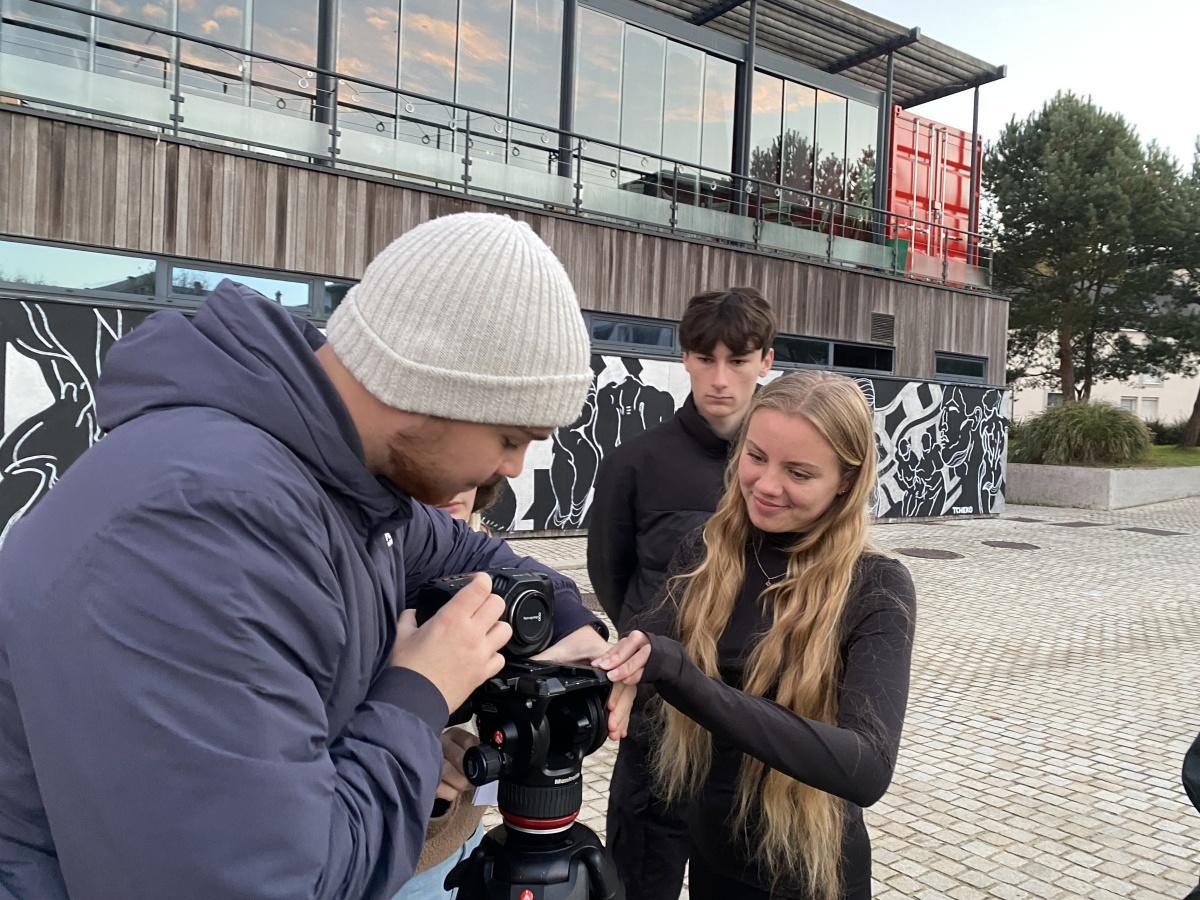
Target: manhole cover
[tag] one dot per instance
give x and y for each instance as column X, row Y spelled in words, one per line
column 1011, row 545
column 1021, row 519
column 1078, row 524
column 1157, row 532
column 928, row 553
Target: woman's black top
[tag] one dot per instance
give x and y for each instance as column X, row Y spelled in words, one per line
column 853, row 759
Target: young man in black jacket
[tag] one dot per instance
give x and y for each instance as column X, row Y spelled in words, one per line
column 650, row 494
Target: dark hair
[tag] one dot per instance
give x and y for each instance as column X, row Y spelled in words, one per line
column 739, row 317
column 487, row 494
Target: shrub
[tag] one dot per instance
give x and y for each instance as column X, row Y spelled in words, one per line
column 1086, row 434
column 1167, row 432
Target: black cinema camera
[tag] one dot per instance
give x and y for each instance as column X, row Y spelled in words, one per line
column 536, row 721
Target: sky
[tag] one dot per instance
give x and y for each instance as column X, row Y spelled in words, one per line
column 1135, row 58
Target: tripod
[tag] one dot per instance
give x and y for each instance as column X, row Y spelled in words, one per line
column 513, row 863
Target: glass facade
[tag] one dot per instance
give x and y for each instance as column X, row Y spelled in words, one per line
column 656, row 114
column 819, row 147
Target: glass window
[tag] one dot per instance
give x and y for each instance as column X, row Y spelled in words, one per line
column 367, row 44
column 428, row 42
column 77, row 270
column 720, row 88
column 536, row 69
column 39, row 43
column 642, row 104
column 335, row 293
column 1053, row 399
column 831, row 145
column 684, row 105
column 801, row 351
column 483, row 38
column 537, row 60
column 148, row 50
column 288, row 30
column 1152, row 378
column 862, row 124
column 955, row 366
column 598, row 90
column 484, row 31
column 1149, row 408
column 799, row 133
column 197, row 283
column 766, row 127
column 217, row 20
column 1129, row 404
column 649, row 335
column 863, row 357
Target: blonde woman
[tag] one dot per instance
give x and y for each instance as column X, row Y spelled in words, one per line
column 782, row 654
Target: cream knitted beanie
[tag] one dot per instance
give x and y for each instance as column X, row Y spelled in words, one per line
column 468, row 317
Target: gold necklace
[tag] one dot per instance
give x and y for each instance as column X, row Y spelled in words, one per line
column 771, row 581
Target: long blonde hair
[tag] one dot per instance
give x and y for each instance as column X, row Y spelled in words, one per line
column 796, row 830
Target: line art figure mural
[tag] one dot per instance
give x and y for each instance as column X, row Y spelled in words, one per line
column 942, row 447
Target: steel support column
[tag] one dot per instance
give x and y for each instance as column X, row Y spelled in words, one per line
column 566, row 88
column 327, row 11
column 742, row 112
column 883, row 170
column 973, row 209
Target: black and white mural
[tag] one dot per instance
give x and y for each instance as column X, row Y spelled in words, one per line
column 942, row 447
column 50, row 357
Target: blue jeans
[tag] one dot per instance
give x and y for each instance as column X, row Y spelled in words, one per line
column 428, row 885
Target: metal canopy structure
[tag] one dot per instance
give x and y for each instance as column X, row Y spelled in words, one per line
column 836, row 37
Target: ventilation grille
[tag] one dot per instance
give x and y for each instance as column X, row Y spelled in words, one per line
column 883, row 328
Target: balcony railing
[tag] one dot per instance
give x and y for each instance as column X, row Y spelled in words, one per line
column 188, row 86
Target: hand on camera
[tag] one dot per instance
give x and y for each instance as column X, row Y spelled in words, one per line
column 624, row 662
column 581, row 646
column 459, row 647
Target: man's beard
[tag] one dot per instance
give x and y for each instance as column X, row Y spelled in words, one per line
column 413, row 467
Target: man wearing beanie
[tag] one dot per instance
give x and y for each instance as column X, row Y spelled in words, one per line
column 209, row 683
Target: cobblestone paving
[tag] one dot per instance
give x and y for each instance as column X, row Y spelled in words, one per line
column 1056, row 686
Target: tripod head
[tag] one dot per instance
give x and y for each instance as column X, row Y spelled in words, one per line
column 537, row 722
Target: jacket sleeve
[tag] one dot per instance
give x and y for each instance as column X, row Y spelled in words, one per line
column 612, row 534
column 434, row 545
column 180, row 729
column 853, row 759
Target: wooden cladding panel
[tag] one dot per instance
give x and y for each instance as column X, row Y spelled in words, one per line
column 82, row 184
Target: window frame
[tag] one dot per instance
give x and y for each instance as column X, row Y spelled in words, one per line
column 940, row 355
column 629, row 348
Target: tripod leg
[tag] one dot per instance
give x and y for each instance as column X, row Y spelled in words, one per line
column 602, row 877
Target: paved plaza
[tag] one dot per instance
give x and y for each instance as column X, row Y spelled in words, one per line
column 1056, row 686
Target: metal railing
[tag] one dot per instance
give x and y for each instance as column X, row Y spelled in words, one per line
column 206, row 90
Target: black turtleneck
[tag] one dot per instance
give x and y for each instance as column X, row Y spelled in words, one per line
column 852, row 759
column 650, row 494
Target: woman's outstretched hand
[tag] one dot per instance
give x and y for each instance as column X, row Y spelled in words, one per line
column 624, row 662
column 626, row 659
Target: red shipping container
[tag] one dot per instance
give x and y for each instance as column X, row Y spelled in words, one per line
column 930, row 182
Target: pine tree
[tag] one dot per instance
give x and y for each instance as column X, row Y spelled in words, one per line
column 1086, row 218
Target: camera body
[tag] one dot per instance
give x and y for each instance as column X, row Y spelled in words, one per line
column 537, row 721
column 528, row 606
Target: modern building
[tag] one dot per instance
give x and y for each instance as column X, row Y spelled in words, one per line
column 661, row 148
column 1151, row 396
